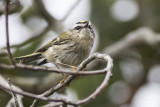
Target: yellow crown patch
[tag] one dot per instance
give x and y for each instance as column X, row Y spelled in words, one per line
column 82, row 21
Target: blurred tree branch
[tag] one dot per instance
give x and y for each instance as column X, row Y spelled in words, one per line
column 7, row 33
column 13, row 94
column 142, row 35
column 5, row 84
column 14, row 6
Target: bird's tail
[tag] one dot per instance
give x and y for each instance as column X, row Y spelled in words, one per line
column 29, row 58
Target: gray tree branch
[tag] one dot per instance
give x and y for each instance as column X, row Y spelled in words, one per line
column 51, row 70
column 107, row 70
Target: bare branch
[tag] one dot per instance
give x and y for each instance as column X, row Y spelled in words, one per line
column 71, row 9
column 14, row 94
column 81, row 67
column 7, row 34
column 107, row 70
column 105, row 82
column 30, row 95
column 45, row 69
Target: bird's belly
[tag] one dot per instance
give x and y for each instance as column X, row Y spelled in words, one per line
column 70, row 55
column 72, row 59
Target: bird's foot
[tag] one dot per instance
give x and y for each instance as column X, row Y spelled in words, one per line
column 64, row 78
column 74, row 68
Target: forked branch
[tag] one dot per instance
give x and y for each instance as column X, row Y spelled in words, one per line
column 44, row 96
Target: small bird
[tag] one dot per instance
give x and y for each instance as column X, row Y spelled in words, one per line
column 69, row 49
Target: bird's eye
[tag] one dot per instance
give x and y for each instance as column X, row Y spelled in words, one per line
column 78, row 27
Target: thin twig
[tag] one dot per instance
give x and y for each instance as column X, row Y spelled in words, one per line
column 14, row 94
column 54, row 89
column 81, row 67
column 45, row 69
column 70, row 10
column 7, row 34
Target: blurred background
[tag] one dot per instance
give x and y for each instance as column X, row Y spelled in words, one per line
column 136, row 71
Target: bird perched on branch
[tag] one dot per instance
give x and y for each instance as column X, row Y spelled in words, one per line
column 69, row 49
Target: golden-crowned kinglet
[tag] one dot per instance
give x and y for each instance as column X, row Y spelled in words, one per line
column 69, row 49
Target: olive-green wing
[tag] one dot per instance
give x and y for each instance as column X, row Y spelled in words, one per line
column 61, row 39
